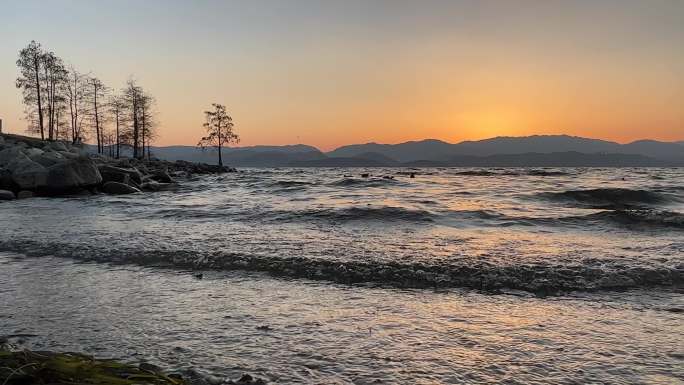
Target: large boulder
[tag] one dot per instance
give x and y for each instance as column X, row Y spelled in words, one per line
column 27, row 174
column 69, row 154
column 6, row 182
column 31, row 152
column 73, row 173
column 161, row 176
column 55, row 146
column 9, row 154
column 48, row 159
column 114, row 174
column 6, row 195
column 117, row 188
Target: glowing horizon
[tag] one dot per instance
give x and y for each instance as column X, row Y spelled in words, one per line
column 329, row 74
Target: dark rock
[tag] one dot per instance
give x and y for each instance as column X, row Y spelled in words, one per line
column 56, row 146
column 161, row 176
column 28, row 174
column 31, row 152
column 156, row 186
column 114, row 174
column 149, row 368
column 25, row 194
column 75, row 173
column 117, row 188
column 365, row 175
column 6, row 195
column 10, row 154
column 47, row 159
column 246, row 379
column 6, row 182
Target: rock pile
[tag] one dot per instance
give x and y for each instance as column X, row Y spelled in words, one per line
column 31, row 167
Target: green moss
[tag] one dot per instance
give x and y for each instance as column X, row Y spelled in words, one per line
column 26, row 367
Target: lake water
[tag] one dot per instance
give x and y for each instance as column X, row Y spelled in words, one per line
column 323, row 276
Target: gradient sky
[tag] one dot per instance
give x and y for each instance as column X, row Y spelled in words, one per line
column 329, row 73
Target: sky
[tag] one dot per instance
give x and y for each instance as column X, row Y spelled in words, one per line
column 329, row 73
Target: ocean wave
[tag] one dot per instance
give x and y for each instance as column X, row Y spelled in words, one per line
column 641, row 218
column 368, row 213
column 365, row 182
column 532, row 172
column 547, row 278
column 609, row 198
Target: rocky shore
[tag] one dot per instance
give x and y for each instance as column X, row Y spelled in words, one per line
column 20, row 367
column 32, row 167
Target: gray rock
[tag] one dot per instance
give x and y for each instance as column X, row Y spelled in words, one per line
column 9, row 154
column 6, row 179
column 25, row 194
column 31, row 152
column 161, row 176
column 6, row 195
column 48, row 159
column 73, row 173
column 156, row 186
column 134, row 175
column 27, row 174
column 56, row 146
column 69, row 154
column 117, row 188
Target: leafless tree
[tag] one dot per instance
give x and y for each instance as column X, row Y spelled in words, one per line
column 29, row 81
column 219, row 126
column 76, row 97
column 96, row 93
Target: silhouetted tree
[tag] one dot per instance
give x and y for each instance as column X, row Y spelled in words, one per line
column 29, row 81
column 117, row 106
column 76, row 97
column 97, row 92
column 54, row 77
column 219, row 126
column 133, row 97
column 147, row 122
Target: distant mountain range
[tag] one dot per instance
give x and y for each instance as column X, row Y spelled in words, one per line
column 533, row 151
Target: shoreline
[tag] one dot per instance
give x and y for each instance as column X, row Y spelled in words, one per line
column 32, row 167
column 62, row 368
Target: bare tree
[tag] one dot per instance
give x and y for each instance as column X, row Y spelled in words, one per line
column 117, row 106
column 29, row 81
column 54, row 77
column 76, row 98
column 133, row 97
column 96, row 94
column 219, row 126
column 148, row 122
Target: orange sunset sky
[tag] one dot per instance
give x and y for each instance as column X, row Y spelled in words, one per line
column 329, row 73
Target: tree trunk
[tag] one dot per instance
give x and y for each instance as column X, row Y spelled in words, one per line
column 118, row 143
column 100, row 148
column 36, row 68
column 220, row 145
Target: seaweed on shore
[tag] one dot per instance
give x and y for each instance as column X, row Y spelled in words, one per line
column 27, row 367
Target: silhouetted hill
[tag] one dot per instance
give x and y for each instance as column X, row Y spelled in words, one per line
column 538, row 150
column 435, row 150
column 403, row 152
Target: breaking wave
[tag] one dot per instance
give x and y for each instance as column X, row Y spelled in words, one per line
column 608, row 198
column 545, row 278
column 370, row 213
column 365, row 182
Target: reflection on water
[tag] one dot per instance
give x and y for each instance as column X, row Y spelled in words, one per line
column 530, row 229
column 561, row 232
column 324, row 333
